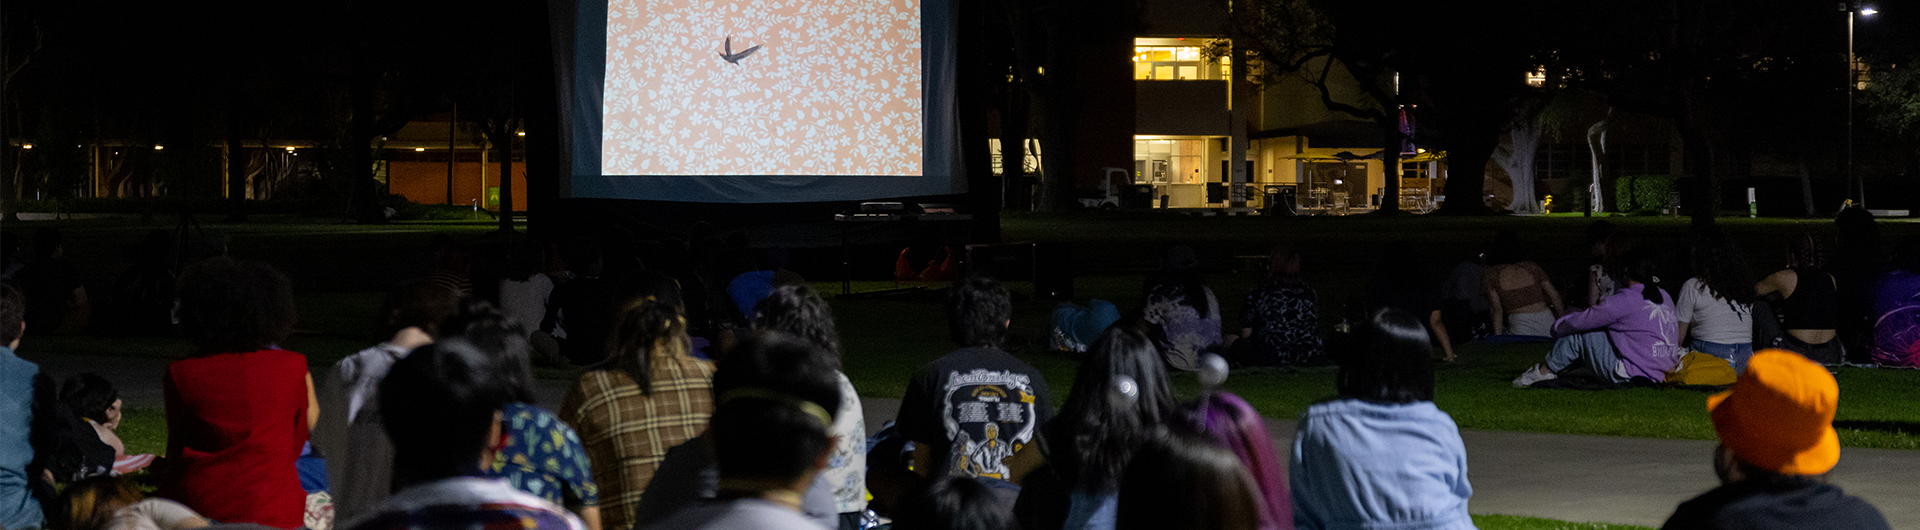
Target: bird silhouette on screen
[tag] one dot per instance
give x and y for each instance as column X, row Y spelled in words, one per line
column 735, row 58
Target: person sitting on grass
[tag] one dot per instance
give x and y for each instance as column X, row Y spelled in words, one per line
column 1183, row 311
column 771, row 434
column 444, row 408
column 1896, row 310
column 1381, row 455
column 1522, row 300
column 1280, row 320
column 799, row 311
column 977, row 376
column 1716, row 304
column 359, row 457
column 18, row 378
column 115, row 503
column 1120, row 398
column 542, row 456
column 1235, row 425
column 954, row 503
column 1809, row 302
column 688, row 475
column 1777, row 445
column 1631, row 334
column 1187, row 482
column 239, row 409
column 649, row 396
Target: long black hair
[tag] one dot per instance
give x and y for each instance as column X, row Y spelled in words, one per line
column 1717, row 262
column 1097, row 431
column 1641, row 265
column 1393, row 362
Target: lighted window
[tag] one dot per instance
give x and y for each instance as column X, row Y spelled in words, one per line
column 1537, row 78
column 1174, row 63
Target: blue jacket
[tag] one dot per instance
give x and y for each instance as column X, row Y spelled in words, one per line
column 18, row 508
column 1365, row 465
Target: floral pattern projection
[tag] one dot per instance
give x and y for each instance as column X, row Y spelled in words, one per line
column 835, row 88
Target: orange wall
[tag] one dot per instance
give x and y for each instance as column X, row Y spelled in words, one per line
column 426, row 182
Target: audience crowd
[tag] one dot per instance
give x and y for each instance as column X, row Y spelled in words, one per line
column 713, row 396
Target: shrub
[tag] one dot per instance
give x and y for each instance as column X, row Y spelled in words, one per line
column 1643, row 194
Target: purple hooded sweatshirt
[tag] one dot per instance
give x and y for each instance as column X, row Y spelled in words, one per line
column 1646, row 334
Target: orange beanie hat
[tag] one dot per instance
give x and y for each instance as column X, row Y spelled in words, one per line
column 1779, row 415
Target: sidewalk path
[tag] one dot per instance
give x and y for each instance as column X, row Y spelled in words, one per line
column 1578, row 478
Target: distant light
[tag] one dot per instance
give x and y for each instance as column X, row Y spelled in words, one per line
column 1869, row 11
column 419, row 149
column 1337, row 182
column 1416, row 150
column 26, row 146
column 289, row 148
column 521, row 133
column 159, row 147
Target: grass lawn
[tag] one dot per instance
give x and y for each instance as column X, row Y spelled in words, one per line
column 1511, row 522
column 339, row 271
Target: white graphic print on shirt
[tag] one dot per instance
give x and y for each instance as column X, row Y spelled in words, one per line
column 989, row 414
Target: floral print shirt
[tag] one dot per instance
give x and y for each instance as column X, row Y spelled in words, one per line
column 1285, row 318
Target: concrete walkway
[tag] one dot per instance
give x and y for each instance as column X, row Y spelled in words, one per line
column 1578, row 478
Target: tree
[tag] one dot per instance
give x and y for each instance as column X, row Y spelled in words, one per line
column 1454, row 66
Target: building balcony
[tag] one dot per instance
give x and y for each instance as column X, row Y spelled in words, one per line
column 1192, row 108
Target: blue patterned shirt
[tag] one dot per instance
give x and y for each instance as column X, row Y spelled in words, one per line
column 543, row 456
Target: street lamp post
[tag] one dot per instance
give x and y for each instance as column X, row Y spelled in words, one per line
column 1854, row 10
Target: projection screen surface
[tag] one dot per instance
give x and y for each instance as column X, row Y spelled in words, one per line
column 762, row 101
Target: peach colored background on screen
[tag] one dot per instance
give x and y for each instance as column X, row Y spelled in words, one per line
column 834, row 91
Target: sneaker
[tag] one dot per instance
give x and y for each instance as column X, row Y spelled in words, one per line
column 1531, row 376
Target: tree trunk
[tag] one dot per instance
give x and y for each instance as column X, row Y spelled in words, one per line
column 236, row 178
column 1013, row 145
column 1517, row 160
column 975, row 96
column 365, row 204
column 503, row 135
column 1597, row 146
column 1467, row 177
column 1806, row 188
column 1703, row 148
column 1390, row 159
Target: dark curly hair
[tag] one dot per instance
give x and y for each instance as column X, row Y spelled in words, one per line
column 1718, row 263
column 978, row 309
column 231, row 306
column 798, row 310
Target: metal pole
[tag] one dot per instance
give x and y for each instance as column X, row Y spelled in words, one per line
column 1860, row 193
column 452, row 155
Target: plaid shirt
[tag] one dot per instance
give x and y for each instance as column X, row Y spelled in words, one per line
column 468, row 503
column 627, row 433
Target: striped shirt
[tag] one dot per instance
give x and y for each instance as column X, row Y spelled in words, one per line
column 627, row 433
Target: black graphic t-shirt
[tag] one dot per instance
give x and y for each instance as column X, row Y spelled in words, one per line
column 974, row 408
